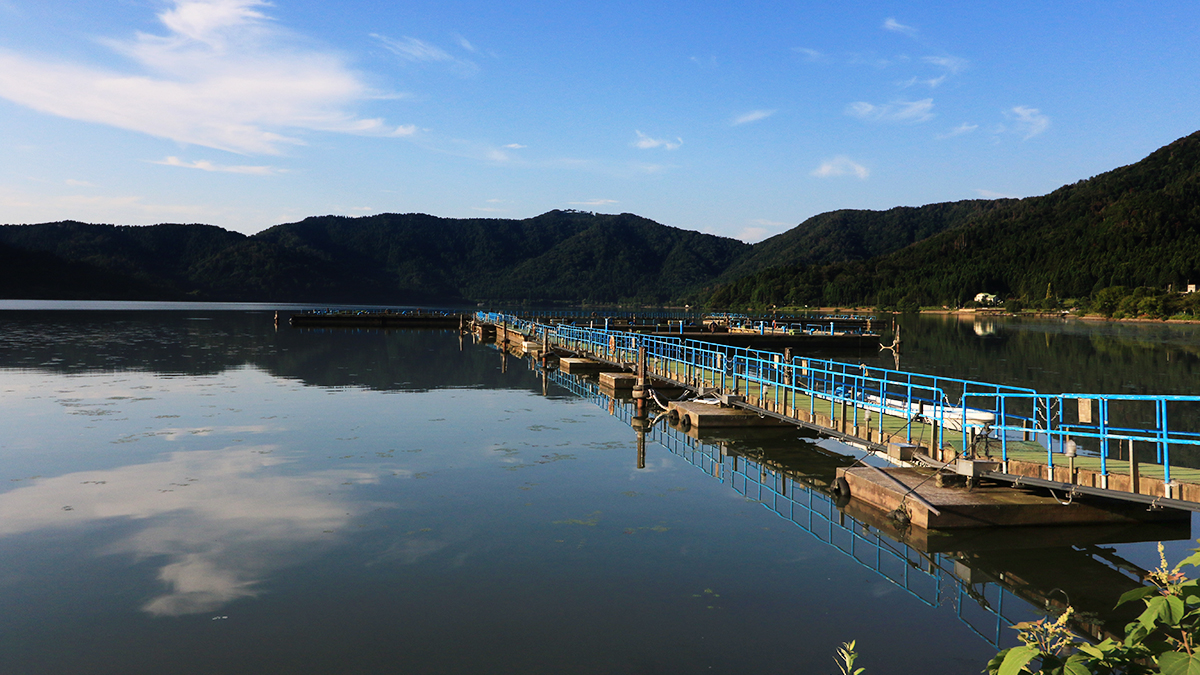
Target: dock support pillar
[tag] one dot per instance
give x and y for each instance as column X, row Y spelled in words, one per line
column 1133, row 470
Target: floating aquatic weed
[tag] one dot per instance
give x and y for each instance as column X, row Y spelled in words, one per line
column 423, row 474
column 554, row 457
column 590, row 522
column 631, row 493
column 542, row 427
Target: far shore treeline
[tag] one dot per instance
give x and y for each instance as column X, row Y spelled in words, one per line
column 1124, row 243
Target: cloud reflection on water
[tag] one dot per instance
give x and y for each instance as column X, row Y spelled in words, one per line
column 222, row 519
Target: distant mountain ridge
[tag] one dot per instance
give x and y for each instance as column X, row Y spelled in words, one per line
column 560, row 256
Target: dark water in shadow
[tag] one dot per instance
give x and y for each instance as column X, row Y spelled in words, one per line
column 196, row 492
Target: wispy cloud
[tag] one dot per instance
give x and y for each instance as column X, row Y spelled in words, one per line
column 897, row 27
column 205, row 165
column 959, row 130
column 515, row 146
column 222, row 76
column 912, row 112
column 418, row 51
column 841, row 166
column 1028, row 122
column 951, row 64
column 809, row 54
column 752, row 116
column 595, row 202
column 645, row 142
column 464, row 43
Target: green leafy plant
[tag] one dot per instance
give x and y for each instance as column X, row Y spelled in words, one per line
column 1163, row 639
column 846, row 655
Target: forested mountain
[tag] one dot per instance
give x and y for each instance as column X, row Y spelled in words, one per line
column 560, row 256
column 1138, row 225
column 842, row 236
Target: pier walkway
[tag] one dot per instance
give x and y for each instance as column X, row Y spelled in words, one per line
column 1143, row 448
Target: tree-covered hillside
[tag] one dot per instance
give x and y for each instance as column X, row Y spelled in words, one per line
column 560, row 256
column 1138, row 225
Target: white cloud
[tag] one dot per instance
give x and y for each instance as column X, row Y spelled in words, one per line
column 404, row 130
column 912, row 112
column 1028, row 122
column 809, row 54
column 752, row 116
column 595, row 202
column 760, row 229
column 751, row 235
column 988, row 194
column 645, row 142
column 951, row 64
column 897, row 27
column 515, row 146
column 959, row 130
column 223, row 76
column 418, row 51
column 464, row 43
column 205, row 165
column 841, row 166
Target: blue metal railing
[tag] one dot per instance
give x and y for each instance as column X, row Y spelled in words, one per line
column 867, row 395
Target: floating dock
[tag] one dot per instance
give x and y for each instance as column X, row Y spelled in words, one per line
column 923, row 501
column 375, row 319
column 1081, row 446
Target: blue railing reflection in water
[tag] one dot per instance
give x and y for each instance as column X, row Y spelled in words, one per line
column 928, row 577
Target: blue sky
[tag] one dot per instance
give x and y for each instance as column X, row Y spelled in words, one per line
column 739, row 119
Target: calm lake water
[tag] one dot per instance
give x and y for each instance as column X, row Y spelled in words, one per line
column 197, row 492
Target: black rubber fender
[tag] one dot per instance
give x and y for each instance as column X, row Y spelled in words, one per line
column 685, row 422
column 840, row 486
column 673, row 415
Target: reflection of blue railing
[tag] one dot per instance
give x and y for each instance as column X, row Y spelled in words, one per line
column 928, row 577
column 1132, row 425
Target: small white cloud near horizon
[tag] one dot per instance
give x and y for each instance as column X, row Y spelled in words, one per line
column 595, row 202
column 988, row 194
column 205, row 165
column 841, row 166
column 959, row 130
column 895, row 26
column 222, row 76
column 909, row 112
column 516, row 146
column 1029, row 122
column 761, row 229
column 645, row 142
column 752, row 116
